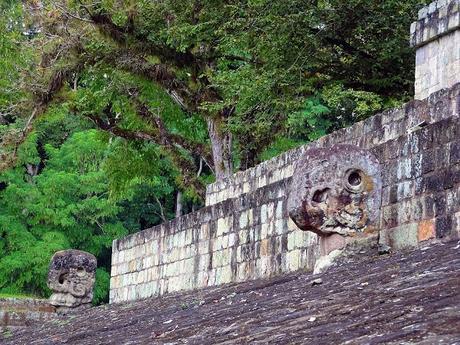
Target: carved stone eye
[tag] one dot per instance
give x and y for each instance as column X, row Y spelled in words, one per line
column 62, row 278
column 354, row 180
column 320, row 196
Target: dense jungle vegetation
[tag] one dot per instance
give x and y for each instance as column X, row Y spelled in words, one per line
column 115, row 114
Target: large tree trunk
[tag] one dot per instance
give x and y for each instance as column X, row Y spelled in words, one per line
column 179, row 204
column 221, row 144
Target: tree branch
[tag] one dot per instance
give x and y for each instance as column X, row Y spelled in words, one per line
column 162, row 137
column 120, row 35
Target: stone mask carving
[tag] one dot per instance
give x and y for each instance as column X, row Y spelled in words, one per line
column 336, row 190
column 71, row 277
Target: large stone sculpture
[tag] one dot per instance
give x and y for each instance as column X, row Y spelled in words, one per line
column 71, row 277
column 336, row 193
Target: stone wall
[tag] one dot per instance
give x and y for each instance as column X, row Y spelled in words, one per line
column 236, row 240
column 19, row 312
column 421, row 194
column 437, row 39
column 244, row 232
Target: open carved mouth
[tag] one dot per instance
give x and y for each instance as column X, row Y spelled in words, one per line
column 346, row 222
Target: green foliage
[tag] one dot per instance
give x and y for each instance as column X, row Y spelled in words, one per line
column 74, row 187
column 17, row 296
column 100, row 287
column 13, row 58
column 311, row 122
column 279, row 146
column 64, row 206
column 350, row 105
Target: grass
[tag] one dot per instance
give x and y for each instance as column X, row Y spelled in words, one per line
column 19, row 296
column 6, row 333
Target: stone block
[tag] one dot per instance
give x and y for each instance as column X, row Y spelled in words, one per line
column 225, row 257
column 389, row 216
column 280, row 214
column 147, row 262
column 291, row 240
column 293, row 260
column 453, row 21
column 264, row 214
column 405, row 190
column 188, row 237
column 444, row 226
column 405, row 211
column 239, row 254
column 456, row 225
column 203, row 262
column 175, row 284
column 153, row 273
column 423, row 13
column 243, row 236
column 263, row 266
column 453, row 200
column 248, row 252
column 223, row 275
column 244, row 219
column 280, row 226
column 265, row 247
column 400, row 237
column 232, row 239
column 223, row 225
column 426, row 230
column 255, row 233
column 289, row 170
column 416, row 209
column 141, row 278
column 266, row 230
column 203, row 247
column 243, row 271
column 404, row 169
column 221, row 242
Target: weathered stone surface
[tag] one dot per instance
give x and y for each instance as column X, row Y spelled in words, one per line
column 406, row 298
column 336, row 190
column 71, row 277
column 21, row 312
column 335, row 193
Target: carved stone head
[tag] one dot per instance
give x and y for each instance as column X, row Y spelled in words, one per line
column 71, row 277
column 336, row 190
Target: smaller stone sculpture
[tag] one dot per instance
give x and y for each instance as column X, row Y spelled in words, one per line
column 71, row 277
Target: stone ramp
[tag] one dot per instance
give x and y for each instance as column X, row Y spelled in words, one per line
column 404, row 298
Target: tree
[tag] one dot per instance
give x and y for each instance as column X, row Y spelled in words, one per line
column 241, row 66
column 66, row 193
